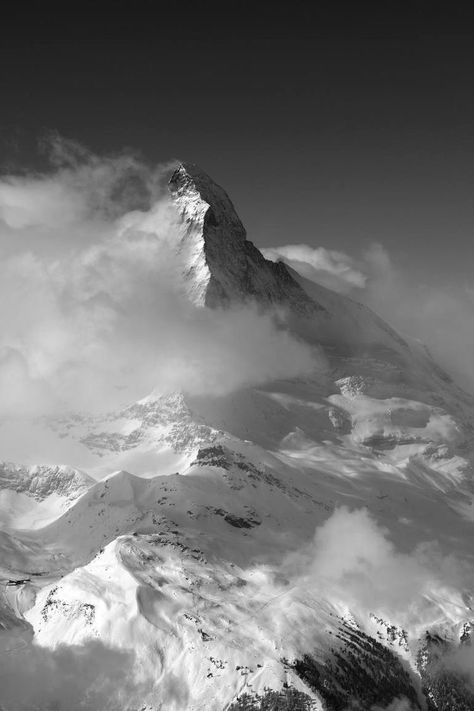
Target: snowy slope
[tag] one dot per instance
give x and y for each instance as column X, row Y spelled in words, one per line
column 196, row 551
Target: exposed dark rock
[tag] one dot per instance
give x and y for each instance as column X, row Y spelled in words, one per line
column 238, row 271
column 287, row 699
column 239, row 522
column 215, row 456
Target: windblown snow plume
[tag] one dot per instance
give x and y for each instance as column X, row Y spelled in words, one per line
column 441, row 315
column 333, row 269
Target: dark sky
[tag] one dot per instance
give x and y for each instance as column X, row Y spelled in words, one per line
column 335, row 124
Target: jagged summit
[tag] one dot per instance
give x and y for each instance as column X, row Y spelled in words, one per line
column 190, row 185
column 222, row 266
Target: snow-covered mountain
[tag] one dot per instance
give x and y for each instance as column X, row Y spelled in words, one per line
column 36, row 493
column 313, row 534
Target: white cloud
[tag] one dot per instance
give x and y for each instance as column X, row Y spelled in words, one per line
column 395, row 705
column 353, row 560
column 91, row 301
column 91, row 677
column 461, row 660
column 333, row 269
column 441, row 315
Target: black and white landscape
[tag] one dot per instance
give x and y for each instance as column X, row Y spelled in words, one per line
column 236, row 433
column 289, row 508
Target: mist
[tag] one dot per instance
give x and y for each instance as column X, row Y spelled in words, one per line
column 396, row 705
column 441, row 316
column 92, row 677
column 352, row 559
column 92, row 303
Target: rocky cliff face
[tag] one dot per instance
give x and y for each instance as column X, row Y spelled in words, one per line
column 40, row 482
column 223, row 267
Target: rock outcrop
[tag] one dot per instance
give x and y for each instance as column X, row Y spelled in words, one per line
column 223, row 267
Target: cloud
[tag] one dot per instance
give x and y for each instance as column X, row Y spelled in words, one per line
column 353, row 564
column 175, row 691
column 441, row 316
column 461, row 661
column 395, row 705
column 92, row 677
column 333, row 269
column 91, row 296
column 353, row 560
column 75, row 202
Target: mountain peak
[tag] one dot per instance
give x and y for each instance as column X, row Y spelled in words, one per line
column 190, row 185
column 222, row 267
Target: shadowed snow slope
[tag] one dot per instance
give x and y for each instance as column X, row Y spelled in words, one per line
column 316, row 532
